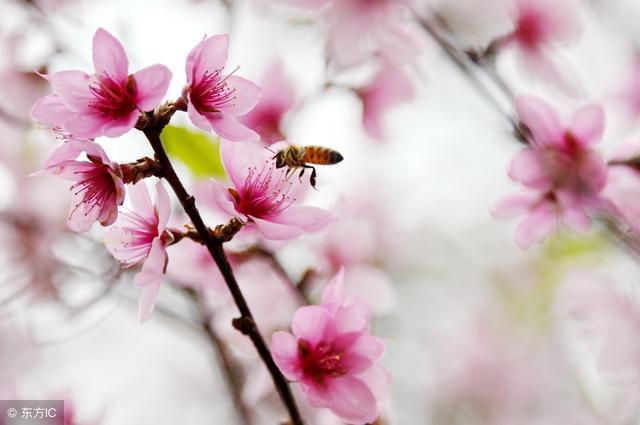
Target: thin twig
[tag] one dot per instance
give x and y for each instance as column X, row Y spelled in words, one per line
column 152, row 125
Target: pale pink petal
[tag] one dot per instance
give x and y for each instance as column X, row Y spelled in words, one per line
column 50, row 110
column 514, row 205
column 548, row 70
column 246, row 95
column 352, row 400
column 81, row 215
column 311, row 323
column 109, row 56
column 374, row 286
column 533, row 229
column 353, row 316
column 229, row 128
column 116, row 128
column 140, row 199
column 208, row 55
column 587, row 125
column 68, row 151
column 368, row 346
column 277, row 89
column 197, row 118
column 91, row 149
column 541, row 119
column 528, row 167
column 276, row 231
column 152, row 84
column 73, row 88
column 309, row 219
column 378, row 380
column 238, row 158
column 218, row 197
column 69, row 170
column 148, row 280
column 333, row 295
column 108, row 211
column 284, row 348
column 163, row 206
column 576, row 219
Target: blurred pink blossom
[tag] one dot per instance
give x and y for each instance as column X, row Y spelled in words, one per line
column 389, row 87
column 360, row 29
column 562, row 173
column 98, row 189
column 106, row 103
column 541, row 25
column 140, row 235
column 333, row 356
column 277, row 98
column 216, row 100
column 262, row 196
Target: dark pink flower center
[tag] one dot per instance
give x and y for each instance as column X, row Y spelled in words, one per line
column 115, row 99
column 97, row 186
column 321, row 361
column 529, row 29
column 212, row 93
column 263, row 193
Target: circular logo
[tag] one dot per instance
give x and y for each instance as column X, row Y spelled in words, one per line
column 12, row 413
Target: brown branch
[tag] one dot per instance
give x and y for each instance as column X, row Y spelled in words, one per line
column 151, row 125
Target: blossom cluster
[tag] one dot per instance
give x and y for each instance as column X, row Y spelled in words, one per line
column 259, row 198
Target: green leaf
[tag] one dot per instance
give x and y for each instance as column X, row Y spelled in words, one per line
column 198, row 151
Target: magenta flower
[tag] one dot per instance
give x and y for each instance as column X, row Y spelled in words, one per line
column 389, row 88
column 98, row 188
column 276, row 99
column 564, row 175
column 262, row 196
column 215, row 100
column 333, row 356
column 539, row 26
column 140, row 236
column 106, row 103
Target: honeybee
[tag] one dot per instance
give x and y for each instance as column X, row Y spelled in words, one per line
column 295, row 157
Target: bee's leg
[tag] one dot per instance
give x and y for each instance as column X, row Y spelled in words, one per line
column 290, row 172
column 312, row 179
column 301, row 174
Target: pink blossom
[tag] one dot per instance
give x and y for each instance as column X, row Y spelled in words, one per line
column 277, row 98
column 216, row 100
column 623, row 184
column 141, row 236
column 98, row 188
column 262, row 196
column 389, row 87
column 333, row 356
column 540, row 25
column 359, row 29
column 562, row 173
column 106, row 103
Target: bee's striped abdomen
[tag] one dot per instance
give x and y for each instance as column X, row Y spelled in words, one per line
column 321, row 156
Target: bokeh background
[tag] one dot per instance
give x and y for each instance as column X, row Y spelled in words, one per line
column 477, row 330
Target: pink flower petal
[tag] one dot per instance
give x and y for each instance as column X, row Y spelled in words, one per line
column 514, row 205
column 310, row 323
column 309, row 219
column 197, row 118
column 333, row 295
column 538, row 225
column 528, row 167
column 246, row 95
column 277, row 89
column 218, row 197
column 284, row 348
column 163, row 206
column 276, row 231
column 51, row 110
column 208, row 56
column 587, row 125
column 109, row 56
column 352, row 400
column 140, row 199
column 119, row 127
column 377, row 379
column 152, row 84
column 108, row 212
column 148, row 280
column 73, row 88
column 69, row 151
column 229, row 128
column 541, row 119
column 81, row 216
